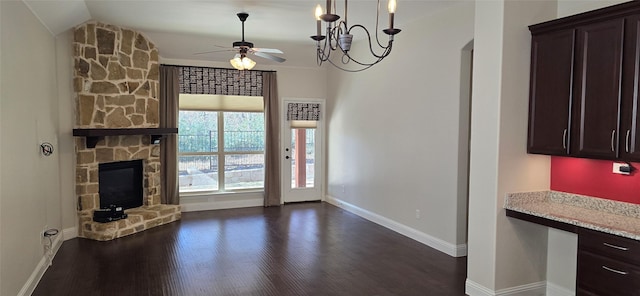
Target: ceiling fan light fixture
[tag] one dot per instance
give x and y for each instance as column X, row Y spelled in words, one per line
column 241, row 62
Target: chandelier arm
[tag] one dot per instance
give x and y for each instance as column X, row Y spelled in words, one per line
column 321, row 55
column 332, row 36
column 327, row 42
column 377, row 23
column 350, row 59
column 350, row 70
column 386, row 48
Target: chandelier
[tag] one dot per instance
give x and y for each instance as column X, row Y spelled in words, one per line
column 338, row 37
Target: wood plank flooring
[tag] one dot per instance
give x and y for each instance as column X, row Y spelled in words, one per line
column 296, row 249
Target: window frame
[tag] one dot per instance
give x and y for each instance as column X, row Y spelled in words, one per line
column 220, row 154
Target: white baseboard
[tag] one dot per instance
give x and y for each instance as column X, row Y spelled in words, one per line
column 220, row 205
column 472, row 288
column 556, row 290
column 69, row 233
column 436, row 243
column 38, row 272
column 534, row 289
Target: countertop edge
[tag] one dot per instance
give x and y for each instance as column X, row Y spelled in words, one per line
column 578, row 210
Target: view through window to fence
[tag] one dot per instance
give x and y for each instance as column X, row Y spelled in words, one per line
column 220, row 150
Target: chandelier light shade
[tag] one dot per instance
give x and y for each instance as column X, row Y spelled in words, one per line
column 242, row 62
column 338, row 38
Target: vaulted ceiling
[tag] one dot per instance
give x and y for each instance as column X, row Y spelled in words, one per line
column 181, row 28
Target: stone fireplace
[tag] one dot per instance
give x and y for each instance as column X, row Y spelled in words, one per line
column 116, row 87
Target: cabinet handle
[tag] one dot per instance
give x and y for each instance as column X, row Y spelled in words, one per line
column 626, row 141
column 615, row 270
column 616, row 247
column 564, row 139
column 613, row 136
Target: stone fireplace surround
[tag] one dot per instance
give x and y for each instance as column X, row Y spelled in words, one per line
column 116, row 86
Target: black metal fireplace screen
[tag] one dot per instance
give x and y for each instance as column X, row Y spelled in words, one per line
column 121, row 184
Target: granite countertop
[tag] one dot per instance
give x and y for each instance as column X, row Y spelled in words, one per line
column 614, row 217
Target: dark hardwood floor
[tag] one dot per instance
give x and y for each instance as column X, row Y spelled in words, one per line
column 296, row 249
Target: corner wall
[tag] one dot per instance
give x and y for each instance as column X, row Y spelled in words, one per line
column 394, row 132
column 30, row 196
column 506, row 256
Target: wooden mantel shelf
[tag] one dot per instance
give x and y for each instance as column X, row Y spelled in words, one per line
column 93, row 135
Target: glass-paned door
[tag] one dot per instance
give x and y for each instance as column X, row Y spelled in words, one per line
column 302, row 155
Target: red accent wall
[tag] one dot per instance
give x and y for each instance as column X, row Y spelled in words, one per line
column 594, row 178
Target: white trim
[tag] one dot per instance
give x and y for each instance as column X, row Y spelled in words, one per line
column 472, row 288
column 533, row 289
column 38, row 272
column 302, row 194
column 557, row 290
column 220, row 205
column 431, row 241
column 69, row 233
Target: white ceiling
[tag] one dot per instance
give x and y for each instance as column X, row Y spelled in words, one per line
column 180, row 28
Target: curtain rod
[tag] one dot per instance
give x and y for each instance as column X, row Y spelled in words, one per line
column 274, row 71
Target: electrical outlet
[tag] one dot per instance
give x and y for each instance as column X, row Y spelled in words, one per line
column 417, row 214
column 621, row 168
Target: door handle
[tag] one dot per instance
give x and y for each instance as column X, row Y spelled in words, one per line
column 613, row 136
column 626, row 141
column 620, row 272
column 564, row 139
column 616, row 247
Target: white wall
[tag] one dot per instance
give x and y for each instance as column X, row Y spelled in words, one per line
column 293, row 82
column 505, row 255
column 30, row 195
column 571, row 7
column 393, row 130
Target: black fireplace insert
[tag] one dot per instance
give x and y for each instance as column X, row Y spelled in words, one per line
column 121, row 184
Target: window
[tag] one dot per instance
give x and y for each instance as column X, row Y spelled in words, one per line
column 221, row 143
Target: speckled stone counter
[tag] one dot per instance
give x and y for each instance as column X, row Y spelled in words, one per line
column 619, row 218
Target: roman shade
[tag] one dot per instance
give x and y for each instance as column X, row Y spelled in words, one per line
column 207, row 102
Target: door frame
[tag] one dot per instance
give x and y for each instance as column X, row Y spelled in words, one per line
column 319, row 175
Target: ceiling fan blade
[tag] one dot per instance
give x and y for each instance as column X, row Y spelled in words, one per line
column 268, row 56
column 222, row 49
column 214, row 51
column 267, row 50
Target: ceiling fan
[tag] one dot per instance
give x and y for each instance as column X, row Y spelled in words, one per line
column 240, row 60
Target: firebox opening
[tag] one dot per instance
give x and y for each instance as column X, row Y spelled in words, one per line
column 121, row 184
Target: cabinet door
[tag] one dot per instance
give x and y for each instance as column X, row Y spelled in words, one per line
column 597, row 90
column 550, row 92
column 630, row 136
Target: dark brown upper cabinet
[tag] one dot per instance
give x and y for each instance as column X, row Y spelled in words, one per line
column 550, row 92
column 584, row 85
column 629, row 130
column 597, row 90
